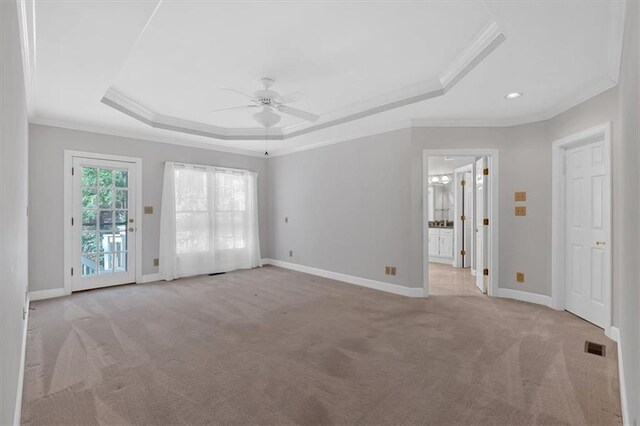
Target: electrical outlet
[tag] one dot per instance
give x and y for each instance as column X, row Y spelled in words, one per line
column 290, row 253
column 393, row 270
column 520, row 196
column 156, row 262
column 521, row 211
column 387, row 270
column 148, row 209
column 520, row 277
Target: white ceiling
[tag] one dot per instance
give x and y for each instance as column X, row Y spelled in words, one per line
column 170, row 60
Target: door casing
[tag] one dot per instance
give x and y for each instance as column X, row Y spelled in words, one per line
column 494, row 203
column 69, row 155
column 602, row 133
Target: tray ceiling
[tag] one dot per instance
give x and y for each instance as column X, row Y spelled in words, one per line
column 158, row 67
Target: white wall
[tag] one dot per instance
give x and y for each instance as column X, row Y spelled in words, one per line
column 13, row 210
column 46, row 155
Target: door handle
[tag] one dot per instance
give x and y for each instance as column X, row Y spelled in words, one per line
column 132, row 229
column 600, row 243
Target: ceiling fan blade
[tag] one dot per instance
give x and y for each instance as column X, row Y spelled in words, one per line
column 236, row 107
column 291, row 98
column 239, row 92
column 298, row 113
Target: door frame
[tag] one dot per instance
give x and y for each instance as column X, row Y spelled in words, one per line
column 69, row 155
column 494, row 204
column 601, row 132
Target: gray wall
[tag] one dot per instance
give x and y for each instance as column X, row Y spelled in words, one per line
column 13, row 208
column 46, row 157
column 356, row 207
column 626, row 210
column 347, row 207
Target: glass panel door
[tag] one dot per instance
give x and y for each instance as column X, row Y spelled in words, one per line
column 106, row 232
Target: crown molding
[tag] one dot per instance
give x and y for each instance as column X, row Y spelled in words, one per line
column 27, row 29
column 479, row 48
column 113, row 131
column 616, row 39
column 379, row 129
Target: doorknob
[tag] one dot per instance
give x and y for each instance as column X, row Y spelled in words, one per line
column 131, row 229
column 600, row 243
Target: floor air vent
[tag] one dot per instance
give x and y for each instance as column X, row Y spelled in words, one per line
column 595, row 348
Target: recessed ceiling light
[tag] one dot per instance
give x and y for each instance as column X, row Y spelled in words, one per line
column 513, row 95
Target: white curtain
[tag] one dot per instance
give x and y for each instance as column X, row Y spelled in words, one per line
column 209, row 220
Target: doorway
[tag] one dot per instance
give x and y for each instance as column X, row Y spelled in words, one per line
column 581, row 227
column 102, row 202
column 458, row 243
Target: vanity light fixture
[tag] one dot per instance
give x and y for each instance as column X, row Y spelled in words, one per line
column 513, row 95
column 434, row 179
column 445, row 179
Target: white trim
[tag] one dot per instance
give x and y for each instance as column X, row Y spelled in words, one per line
column 525, row 296
column 624, row 402
column 478, row 49
column 69, row 155
column 616, row 39
column 46, row 294
column 17, row 413
column 378, row 129
column 362, row 282
column 149, row 278
column 603, row 132
column 28, row 51
column 494, row 212
column 143, row 136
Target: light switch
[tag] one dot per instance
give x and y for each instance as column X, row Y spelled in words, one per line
column 156, row 262
column 520, row 196
column 520, row 277
column 521, row 211
column 148, row 209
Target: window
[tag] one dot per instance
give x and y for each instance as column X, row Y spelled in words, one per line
column 208, row 220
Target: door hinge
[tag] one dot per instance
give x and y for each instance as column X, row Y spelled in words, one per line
column 463, row 183
column 485, row 271
column 462, row 252
column 71, row 221
column 485, row 221
column 71, row 271
column 463, row 218
column 72, row 171
column 485, row 171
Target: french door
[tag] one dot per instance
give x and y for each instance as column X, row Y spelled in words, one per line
column 481, row 251
column 103, row 223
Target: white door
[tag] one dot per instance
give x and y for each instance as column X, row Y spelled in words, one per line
column 468, row 223
column 103, row 223
column 481, row 230
column 586, row 222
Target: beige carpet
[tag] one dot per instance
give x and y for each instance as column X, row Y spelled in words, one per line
column 271, row 346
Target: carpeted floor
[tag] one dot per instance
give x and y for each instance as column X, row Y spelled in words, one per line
column 272, row 346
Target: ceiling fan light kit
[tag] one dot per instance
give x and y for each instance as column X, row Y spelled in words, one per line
column 271, row 104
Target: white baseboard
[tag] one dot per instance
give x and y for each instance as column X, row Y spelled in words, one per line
column 614, row 334
column 46, row 294
column 17, row 414
column 525, row 296
column 363, row 282
column 149, row 278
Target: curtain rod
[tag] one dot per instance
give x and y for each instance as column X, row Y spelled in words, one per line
column 207, row 167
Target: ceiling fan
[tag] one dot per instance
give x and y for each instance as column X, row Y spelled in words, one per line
column 270, row 102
